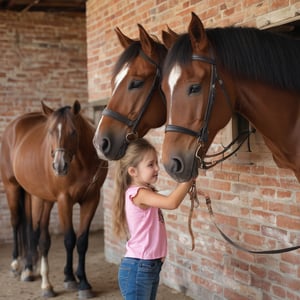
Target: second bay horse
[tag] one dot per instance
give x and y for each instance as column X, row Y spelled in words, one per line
column 209, row 74
column 48, row 157
column 137, row 103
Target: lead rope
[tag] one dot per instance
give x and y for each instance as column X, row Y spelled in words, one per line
column 230, row 241
column 194, row 199
column 193, row 196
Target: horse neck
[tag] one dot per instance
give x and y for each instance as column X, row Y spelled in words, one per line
column 273, row 111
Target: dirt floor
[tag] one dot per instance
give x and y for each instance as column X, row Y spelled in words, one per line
column 101, row 274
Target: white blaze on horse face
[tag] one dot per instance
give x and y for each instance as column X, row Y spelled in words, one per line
column 173, row 78
column 59, row 129
column 119, row 77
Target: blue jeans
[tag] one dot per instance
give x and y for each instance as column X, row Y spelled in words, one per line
column 139, row 278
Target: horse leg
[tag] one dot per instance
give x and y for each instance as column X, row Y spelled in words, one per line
column 65, row 209
column 41, row 219
column 70, row 282
column 15, row 200
column 87, row 211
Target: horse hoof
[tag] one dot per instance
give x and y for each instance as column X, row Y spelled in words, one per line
column 15, row 273
column 85, row 294
column 49, row 293
column 15, row 268
column 28, row 279
column 71, row 285
column 27, row 276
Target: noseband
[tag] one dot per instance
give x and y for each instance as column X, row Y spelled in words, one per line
column 133, row 124
column 202, row 135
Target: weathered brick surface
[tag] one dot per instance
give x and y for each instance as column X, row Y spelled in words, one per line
column 254, row 201
column 43, row 57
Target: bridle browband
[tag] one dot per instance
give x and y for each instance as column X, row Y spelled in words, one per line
column 133, row 124
column 202, row 134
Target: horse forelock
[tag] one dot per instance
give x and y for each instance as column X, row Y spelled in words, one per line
column 128, row 55
column 61, row 118
column 247, row 52
column 180, row 53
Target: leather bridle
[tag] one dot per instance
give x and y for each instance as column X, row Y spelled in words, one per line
column 202, row 134
column 133, row 124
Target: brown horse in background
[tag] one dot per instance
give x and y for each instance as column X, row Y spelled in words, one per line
column 209, row 74
column 137, row 103
column 49, row 158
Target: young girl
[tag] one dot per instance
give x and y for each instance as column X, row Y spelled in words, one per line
column 137, row 217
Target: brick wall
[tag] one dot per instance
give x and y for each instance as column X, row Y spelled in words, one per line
column 256, row 203
column 43, row 57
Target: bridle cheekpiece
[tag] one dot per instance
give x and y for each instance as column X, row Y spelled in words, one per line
column 133, row 124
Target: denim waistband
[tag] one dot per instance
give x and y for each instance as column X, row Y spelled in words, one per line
column 139, row 259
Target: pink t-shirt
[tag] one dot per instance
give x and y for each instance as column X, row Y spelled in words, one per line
column 148, row 237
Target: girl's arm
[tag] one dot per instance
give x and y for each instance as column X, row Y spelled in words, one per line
column 148, row 198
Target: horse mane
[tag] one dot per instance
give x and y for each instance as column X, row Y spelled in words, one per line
column 249, row 53
column 130, row 53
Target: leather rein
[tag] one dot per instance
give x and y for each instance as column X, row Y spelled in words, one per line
column 194, row 199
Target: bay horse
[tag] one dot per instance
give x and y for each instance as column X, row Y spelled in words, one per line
column 48, row 157
column 137, row 103
column 211, row 73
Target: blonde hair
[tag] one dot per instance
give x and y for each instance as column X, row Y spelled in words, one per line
column 135, row 153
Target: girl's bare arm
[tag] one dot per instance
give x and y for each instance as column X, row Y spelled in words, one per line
column 148, row 198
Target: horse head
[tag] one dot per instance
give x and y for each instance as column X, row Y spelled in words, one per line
column 137, row 103
column 62, row 135
column 192, row 90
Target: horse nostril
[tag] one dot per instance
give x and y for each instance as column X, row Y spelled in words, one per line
column 177, row 165
column 66, row 167
column 105, row 145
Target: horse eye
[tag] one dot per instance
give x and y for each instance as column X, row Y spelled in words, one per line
column 135, row 84
column 194, row 89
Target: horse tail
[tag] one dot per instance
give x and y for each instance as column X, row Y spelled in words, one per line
column 28, row 239
column 24, row 230
column 24, row 212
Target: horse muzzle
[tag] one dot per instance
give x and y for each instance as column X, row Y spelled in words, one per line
column 61, row 162
column 182, row 168
column 110, row 147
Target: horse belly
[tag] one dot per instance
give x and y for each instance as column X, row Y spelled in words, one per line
column 29, row 171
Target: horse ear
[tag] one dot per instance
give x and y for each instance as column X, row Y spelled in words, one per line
column 197, row 34
column 125, row 41
column 147, row 43
column 169, row 37
column 76, row 107
column 46, row 109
